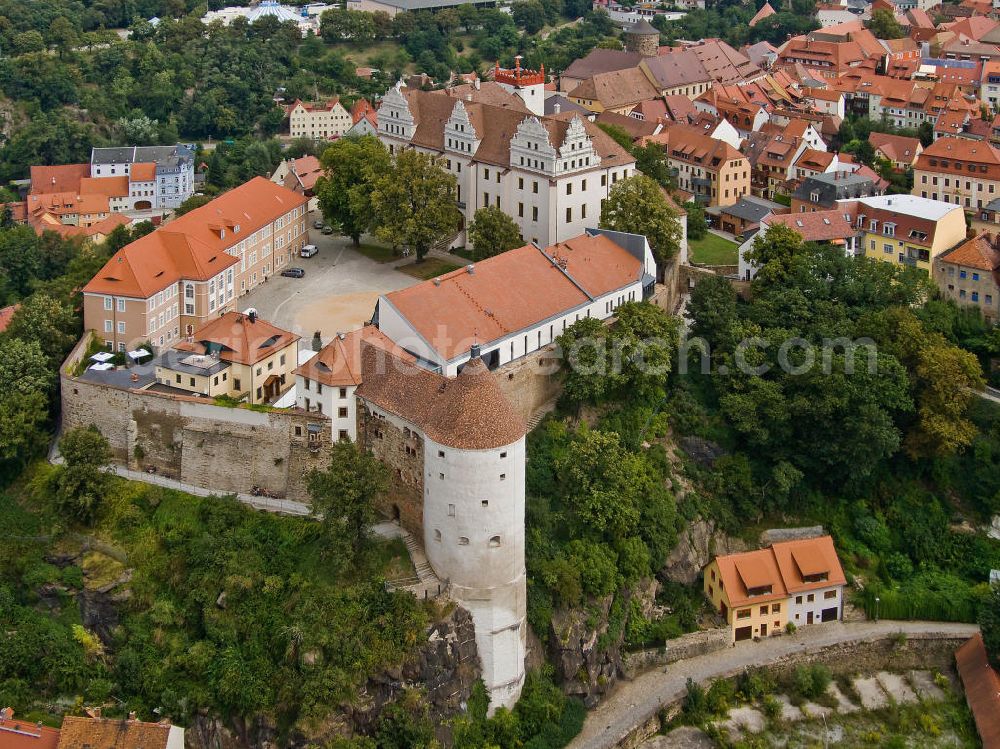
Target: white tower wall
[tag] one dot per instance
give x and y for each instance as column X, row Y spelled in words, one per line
column 474, row 537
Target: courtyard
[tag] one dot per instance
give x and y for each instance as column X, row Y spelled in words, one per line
column 337, row 293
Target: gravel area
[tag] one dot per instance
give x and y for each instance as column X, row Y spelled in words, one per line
column 789, row 712
column 896, row 687
column 926, row 689
column 844, row 705
column 872, row 695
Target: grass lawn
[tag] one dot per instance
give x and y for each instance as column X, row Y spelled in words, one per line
column 713, row 250
column 429, row 268
column 377, row 252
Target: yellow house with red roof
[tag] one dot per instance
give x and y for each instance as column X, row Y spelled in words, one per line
column 758, row 592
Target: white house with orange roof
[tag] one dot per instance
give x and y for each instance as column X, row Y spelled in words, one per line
column 758, row 593
column 516, row 303
column 327, row 381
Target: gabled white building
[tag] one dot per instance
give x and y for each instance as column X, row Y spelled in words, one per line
column 319, row 121
column 158, row 176
column 549, row 174
column 516, row 303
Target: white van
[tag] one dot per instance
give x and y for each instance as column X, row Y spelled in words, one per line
column 308, row 251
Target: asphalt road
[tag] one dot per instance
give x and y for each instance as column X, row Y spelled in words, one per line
column 634, row 702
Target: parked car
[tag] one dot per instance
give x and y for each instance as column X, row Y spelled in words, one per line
column 308, row 251
column 293, row 272
column 327, row 229
column 317, row 224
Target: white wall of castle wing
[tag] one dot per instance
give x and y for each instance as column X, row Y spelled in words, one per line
column 404, row 335
column 336, row 402
column 527, row 342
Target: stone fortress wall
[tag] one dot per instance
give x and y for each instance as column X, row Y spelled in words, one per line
column 194, row 441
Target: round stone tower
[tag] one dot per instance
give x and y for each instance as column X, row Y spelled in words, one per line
column 474, row 520
column 643, row 38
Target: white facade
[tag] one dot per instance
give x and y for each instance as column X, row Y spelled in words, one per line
column 807, row 608
column 474, row 538
column 852, row 246
column 336, row 401
column 473, row 518
column 319, row 122
column 553, row 191
column 172, row 183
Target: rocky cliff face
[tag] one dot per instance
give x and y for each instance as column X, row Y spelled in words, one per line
column 585, row 644
column 696, row 546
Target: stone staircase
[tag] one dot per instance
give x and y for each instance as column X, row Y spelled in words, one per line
column 426, row 584
column 540, row 413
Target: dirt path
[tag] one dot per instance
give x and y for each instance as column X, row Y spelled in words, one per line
column 635, row 702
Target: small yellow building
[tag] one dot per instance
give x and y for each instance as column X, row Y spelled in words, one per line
column 909, row 230
column 758, row 592
column 237, row 355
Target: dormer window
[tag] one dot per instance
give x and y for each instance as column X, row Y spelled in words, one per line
column 236, row 229
column 222, row 233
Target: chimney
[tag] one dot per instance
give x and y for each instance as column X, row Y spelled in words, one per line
column 470, row 269
column 6, row 714
column 475, row 83
column 468, row 97
column 252, row 316
column 557, row 108
column 475, row 351
column 317, row 341
column 340, row 335
column 131, row 715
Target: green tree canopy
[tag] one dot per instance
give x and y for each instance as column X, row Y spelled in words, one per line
column 638, row 205
column 413, row 203
column 492, row 231
column 80, row 484
column 351, row 166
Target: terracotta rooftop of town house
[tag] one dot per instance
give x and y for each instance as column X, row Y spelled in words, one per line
column 897, row 46
column 895, row 147
column 361, row 108
column 238, row 338
column 468, row 412
column 620, row 88
column 815, row 160
column 635, row 128
column 982, row 689
column 679, row 107
column 105, row 226
column 758, row 53
column 103, row 733
column 980, row 252
column 805, row 558
column 322, row 106
column 824, row 94
column 765, row 11
column 495, row 126
column 691, row 144
column 513, row 291
column 303, row 173
column 817, row 226
column 920, row 18
column 68, row 203
column 750, row 570
column 680, row 68
column 974, row 27
column 143, row 172
column 951, row 154
column 111, row 187
column 653, row 110
column 193, row 246
column 338, row 363
column 22, row 734
column 65, row 178
column 723, row 63
column 601, row 61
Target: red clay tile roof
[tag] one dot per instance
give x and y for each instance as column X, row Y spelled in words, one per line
column 65, row 178
column 895, row 147
column 468, row 412
column 64, row 203
column 21, row 734
column 751, row 569
column 765, row 11
column 960, row 152
column 979, row 252
column 237, row 339
column 143, row 172
column 338, row 363
column 513, row 291
column 808, row 557
column 111, row 187
column 620, row 88
column 601, row 61
column 102, row 733
column 303, row 173
column 817, row 226
column 982, row 689
column 189, row 247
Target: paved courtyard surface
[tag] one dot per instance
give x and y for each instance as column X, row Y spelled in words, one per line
column 636, row 701
column 337, row 294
